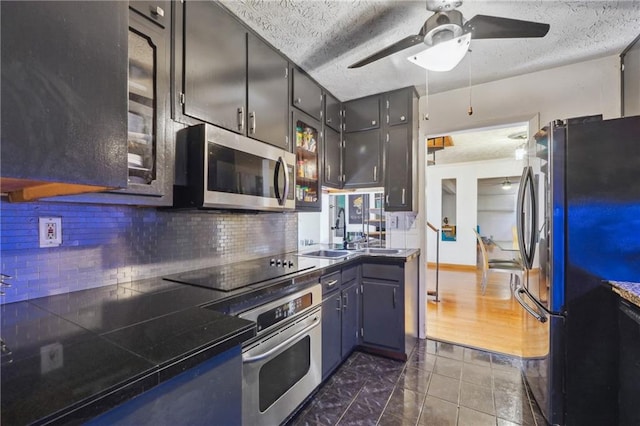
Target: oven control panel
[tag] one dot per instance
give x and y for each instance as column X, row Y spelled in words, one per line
column 283, row 311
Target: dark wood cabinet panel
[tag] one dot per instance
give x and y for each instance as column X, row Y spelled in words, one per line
column 398, row 179
column 332, row 158
column 158, row 11
column 362, row 114
column 215, row 63
column 362, row 159
column 64, row 92
column 331, row 332
column 350, row 316
column 332, row 108
column 398, row 107
column 306, row 94
column 383, row 314
column 267, row 107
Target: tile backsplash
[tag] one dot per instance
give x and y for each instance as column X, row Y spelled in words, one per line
column 103, row 245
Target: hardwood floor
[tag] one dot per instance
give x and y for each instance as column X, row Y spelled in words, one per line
column 493, row 321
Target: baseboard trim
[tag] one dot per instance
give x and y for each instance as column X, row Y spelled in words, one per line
column 453, row 267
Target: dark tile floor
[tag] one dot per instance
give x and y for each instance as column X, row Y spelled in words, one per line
column 440, row 384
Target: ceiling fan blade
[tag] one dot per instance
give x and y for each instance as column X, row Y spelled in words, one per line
column 483, row 26
column 396, row 47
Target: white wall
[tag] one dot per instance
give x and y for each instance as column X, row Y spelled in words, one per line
column 586, row 88
column 463, row 250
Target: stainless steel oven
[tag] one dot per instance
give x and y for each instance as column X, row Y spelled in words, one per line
column 230, row 171
column 282, row 365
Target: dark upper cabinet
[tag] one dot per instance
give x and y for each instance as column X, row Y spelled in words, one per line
column 307, row 139
column 268, row 83
column 332, row 108
column 398, row 107
column 398, row 178
column 362, row 114
column 232, row 79
column 332, row 176
column 362, row 159
column 156, row 11
column 401, row 150
column 215, row 61
column 64, row 97
column 306, row 94
column 149, row 147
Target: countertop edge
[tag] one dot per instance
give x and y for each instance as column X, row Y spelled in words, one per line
column 629, row 291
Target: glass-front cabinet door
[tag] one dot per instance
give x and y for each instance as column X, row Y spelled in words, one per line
column 147, row 84
column 307, row 147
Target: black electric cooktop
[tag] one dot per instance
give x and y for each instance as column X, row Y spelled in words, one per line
column 234, row 276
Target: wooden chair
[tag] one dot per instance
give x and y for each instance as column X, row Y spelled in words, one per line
column 512, row 267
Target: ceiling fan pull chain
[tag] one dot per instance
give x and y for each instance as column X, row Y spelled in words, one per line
column 426, row 81
column 470, row 110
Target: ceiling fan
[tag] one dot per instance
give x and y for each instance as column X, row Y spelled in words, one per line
column 447, row 24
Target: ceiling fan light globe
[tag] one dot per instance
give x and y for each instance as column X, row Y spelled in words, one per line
column 443, row 56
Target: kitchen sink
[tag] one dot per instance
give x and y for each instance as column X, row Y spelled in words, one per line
column 330, row 254
column 380, row 251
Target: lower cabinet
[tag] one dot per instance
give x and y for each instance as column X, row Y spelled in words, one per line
column 331, row 332
column 350, row 317
column 210, row 393
column 340, row 319
column 389, row 306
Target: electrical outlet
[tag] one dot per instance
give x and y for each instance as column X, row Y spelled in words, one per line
column 50, row 230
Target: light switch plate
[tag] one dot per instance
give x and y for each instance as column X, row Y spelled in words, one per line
column 50, row 231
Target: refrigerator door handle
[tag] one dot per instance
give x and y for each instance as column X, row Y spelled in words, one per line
column 527, row 248
column 518, row 291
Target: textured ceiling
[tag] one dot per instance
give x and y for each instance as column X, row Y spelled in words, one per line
column 324, row 37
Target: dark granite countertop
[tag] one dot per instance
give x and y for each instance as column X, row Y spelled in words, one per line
column 627, row 290
column 76, row 355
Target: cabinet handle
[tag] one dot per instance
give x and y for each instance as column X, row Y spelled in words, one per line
column 387, row 198
column 331, row 283
column 297, row 101
column 375, row 173
column 329, row 120
column 329, row 172
column 394, row 298
column 402, row 118
column 252, row 129
column 403, row 195
column 338, row 307
column 344, row 303
column 157, row 11
column 241, row 119
column 373, row 122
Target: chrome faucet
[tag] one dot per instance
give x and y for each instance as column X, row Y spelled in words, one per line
column 341, row 213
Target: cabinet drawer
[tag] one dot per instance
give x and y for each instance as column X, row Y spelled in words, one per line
column 383, row 272
column 349, row 274
column 157, row 11
column 330, row 282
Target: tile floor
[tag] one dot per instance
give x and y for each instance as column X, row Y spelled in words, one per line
column 440, row 384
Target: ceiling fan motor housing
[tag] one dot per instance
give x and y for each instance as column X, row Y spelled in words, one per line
column 440, row 5
column 442, row 26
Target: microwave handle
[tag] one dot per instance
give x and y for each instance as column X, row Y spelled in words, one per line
column 281, row 164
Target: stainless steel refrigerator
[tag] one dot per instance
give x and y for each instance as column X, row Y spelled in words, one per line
column 578, row 226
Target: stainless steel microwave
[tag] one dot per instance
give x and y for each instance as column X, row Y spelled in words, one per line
column 225, row 170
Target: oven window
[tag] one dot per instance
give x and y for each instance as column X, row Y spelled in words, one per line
column 279, row 374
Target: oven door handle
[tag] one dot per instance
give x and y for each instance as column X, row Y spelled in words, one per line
column 281, row 345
